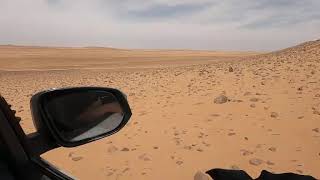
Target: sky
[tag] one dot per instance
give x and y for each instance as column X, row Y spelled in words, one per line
column 254, row 25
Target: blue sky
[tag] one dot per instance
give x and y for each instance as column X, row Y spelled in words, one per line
column 179, row 24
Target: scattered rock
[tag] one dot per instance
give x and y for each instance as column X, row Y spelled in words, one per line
column 112, row 149
column 201, row 176
column 77, row 158
column 316, row 112
column 246, row 152
column 200, row 150
column 125, row 170
column 231, row 134
column 234, row 167
column 273, row 149
column 125, row 149
column 144, row 157
column 221, row 99
column 230, row 69
column 110, row 174
column 254, row 99
column 252, row 105
column 71, row 154
column 179, row 162
column 270, row 163
column 246, row 138
column 300, row 88
column 155, row 147
column 274, row 115
column 255, row 161
column 316, row 130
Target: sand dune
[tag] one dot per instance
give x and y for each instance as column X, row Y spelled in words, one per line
column 271, row 119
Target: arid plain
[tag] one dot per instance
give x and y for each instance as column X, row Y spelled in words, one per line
column 271, row 119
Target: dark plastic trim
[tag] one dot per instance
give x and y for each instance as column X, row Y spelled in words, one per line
column 43, row 122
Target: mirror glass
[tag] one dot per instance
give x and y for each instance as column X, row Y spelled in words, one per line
column 83, row 115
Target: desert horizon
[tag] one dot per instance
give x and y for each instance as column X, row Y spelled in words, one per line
column 30, row 57
column 271, row 119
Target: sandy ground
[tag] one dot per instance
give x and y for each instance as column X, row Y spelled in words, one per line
column 271, row 122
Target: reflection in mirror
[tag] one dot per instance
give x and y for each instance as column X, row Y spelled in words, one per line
column 83, row 115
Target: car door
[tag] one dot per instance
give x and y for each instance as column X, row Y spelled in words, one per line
column 16, row 161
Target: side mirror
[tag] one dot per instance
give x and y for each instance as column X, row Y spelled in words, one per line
column 76, row 116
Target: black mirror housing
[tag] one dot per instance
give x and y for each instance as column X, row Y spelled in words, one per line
column 79, row 115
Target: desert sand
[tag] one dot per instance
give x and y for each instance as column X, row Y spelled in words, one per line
column 271, row 119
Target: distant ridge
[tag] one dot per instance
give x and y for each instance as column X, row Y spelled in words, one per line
column 100, row 47
column 10, row 46
column 308, row 48
column 302, row 47
column 305, row 46
column 120, row 50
